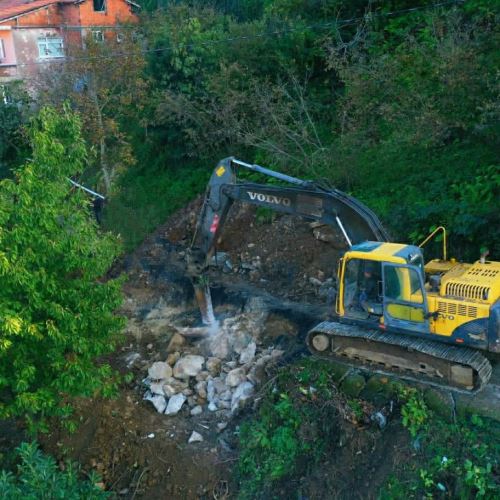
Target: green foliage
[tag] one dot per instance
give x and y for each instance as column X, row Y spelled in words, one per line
column 38, row 477
column 457, row 460
column 414, row 411
column 56, row 311
column 295, row 425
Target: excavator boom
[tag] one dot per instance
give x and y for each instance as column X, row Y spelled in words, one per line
column 306, row 199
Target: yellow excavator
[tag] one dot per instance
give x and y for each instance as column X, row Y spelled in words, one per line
column 436, row 323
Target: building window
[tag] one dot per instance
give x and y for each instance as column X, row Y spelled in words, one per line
column 2, row 51
column 50, row 47
column 99, row 5
column 120, row 37
column 98, row 36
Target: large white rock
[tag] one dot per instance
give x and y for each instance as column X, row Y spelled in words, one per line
column 248, row 353
column 157, row 388
column 196, row 437
column 159, row 370
column 175, row 404
column 241, row 395
column 158, row 401
column 188, row 366
column 218, row 345
column 197, row 410
column 235, row 377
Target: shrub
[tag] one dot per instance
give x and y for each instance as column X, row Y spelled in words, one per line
column 39, row 477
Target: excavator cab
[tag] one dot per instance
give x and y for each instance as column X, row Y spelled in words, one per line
column 384, row 284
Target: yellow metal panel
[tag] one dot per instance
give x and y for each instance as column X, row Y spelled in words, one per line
column 408, row 313
column 438, row 266
column 453, row 313
column 389, row 249
column 479, row 282
column 375, row 256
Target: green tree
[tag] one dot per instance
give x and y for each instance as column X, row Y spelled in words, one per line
column 56, row 311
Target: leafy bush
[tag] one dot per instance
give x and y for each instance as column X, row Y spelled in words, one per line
column 295, row 425
column 38, row 477
column 56, row 311
column 454, row 460
column 414, row 411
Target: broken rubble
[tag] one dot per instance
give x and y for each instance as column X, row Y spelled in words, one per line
column 175, row 404
column 201, row 389
column 197, row 410
column 131, row 359
column 176, row 343
column 160, row 370
column 213, row 365
column 196, row 437
column 157, row 388
column 158, row 401
column 241, row 395
column 248, row 353
column 173, row 357
column 188, row 366
column 235, row 377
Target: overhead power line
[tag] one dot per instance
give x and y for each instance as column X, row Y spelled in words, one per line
column 336, row 23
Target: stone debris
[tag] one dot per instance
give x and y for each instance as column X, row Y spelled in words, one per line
column 158, row 401
column 157, row 388
column 195, row 437
column 241, row 395
column 216, row 373
column 213, row 365
column 197, row 410
column 175, row 404
column 248, row 353
column 160, row 371
column 173, row 357
column 131, row 358
column 235, row 377
column 188, row 366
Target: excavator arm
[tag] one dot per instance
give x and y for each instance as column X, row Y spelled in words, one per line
column 305, row 199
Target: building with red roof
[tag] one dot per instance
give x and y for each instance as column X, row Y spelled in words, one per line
column 34, row 33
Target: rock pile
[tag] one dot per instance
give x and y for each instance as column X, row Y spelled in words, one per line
column 219, row 373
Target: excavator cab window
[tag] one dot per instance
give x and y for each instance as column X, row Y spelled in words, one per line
column 362, row 289
column 404, row 297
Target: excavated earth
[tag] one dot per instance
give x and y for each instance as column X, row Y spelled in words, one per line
column 272, row 280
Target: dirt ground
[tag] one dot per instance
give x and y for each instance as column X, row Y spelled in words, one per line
column 140, row 453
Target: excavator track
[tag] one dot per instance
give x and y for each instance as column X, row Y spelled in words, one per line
column 411, row 358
